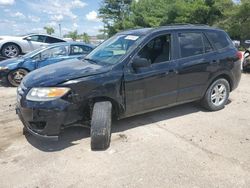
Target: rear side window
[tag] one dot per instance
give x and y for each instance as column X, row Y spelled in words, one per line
column 219, row 39
column 53, row 40
column 191, row 44
column 79, row 49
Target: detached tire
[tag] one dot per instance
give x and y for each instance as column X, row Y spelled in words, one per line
column 101, row 125
column 216, row 95
column 15, row 77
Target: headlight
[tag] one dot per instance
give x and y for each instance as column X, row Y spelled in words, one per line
column 46, row 93
column 3, row 68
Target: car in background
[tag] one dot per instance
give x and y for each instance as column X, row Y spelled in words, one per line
column 246, row 60
column 13, row 46
column 16, row 68
column 236, row 43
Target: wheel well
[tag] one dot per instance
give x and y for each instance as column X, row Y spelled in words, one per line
column 14, row 44
column 226, row 77
column 20, row 68
column 117, row 108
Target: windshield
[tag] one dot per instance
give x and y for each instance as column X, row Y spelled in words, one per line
column 31, row 54
column 114, row 49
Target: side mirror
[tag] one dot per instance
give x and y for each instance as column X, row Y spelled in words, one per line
column 140, row 63
column 28, row 38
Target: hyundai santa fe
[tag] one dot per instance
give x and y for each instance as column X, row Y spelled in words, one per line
column 131, row 73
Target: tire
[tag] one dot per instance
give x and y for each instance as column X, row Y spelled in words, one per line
column 216, row 95
column 10, row 50
column 25, row 131
column 15, row 77
column 101, row 125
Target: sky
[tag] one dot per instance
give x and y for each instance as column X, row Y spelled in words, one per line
column 30, row 16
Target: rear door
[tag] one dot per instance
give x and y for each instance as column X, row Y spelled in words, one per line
column 154, row 86
column 196, row 61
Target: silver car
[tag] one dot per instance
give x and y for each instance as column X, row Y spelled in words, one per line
column 12, row 46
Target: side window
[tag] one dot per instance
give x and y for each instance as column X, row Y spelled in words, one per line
column 190, row 44
column 219, row 39
column 79, row 49
column 207, row 45
column 53, row 40
column 158, row 50
column 37, row 38
column 54, row 52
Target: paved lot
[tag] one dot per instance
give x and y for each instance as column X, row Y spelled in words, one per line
column 183, row 146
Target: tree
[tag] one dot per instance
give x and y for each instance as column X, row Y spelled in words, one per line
column 113, row 14
column 49, row 30
column 85, row 37
column 72, row 34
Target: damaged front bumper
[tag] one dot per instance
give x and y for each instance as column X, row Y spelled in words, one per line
column 45, row 120
column 46, row 127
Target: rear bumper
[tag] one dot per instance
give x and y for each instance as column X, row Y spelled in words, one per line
column 235, row 75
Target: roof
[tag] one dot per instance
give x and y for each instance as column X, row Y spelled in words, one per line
column 71, row 43
column 145, row 31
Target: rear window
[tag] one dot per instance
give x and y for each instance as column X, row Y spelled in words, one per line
column 219, row 39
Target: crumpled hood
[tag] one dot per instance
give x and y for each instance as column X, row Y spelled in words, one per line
column 66, row 70
column 10, row 62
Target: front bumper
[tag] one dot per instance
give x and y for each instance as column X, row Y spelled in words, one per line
column 40, row 127
column 45, row 120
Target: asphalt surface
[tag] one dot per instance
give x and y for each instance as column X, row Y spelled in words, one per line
column 183, row 146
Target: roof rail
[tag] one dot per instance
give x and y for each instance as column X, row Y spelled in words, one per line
column 187, row 24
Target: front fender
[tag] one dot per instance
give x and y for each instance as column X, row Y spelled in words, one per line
column 106, row 86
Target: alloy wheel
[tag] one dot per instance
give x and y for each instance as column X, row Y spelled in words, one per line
column 218, row 94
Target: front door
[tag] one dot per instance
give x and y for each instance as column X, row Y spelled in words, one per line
column 53, row 55
column 154, row 86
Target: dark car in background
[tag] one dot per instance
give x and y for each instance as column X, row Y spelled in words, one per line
column 13, row 46
column 16, row 68
column 246, row 60
column 133, row 72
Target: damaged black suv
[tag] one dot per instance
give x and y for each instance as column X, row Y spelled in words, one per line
column 133, row 72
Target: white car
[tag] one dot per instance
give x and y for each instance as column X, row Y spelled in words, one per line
column 12, row 46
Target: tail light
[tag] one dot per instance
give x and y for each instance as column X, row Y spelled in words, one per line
column 239, row 55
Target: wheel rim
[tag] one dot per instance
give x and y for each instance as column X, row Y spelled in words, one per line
column 11, row 51
column 16, row 77
column 218, row 94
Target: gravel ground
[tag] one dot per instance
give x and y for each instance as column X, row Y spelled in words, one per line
column 183, row 146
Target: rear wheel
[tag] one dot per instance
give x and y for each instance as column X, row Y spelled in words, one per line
column 217, row 95
column 101, row 125
column 10, row 50
column 15, row 77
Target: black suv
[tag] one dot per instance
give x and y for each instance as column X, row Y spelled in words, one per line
column 133, row 72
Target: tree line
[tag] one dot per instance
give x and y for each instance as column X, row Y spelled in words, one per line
column 232, row 16
column 72, row 34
